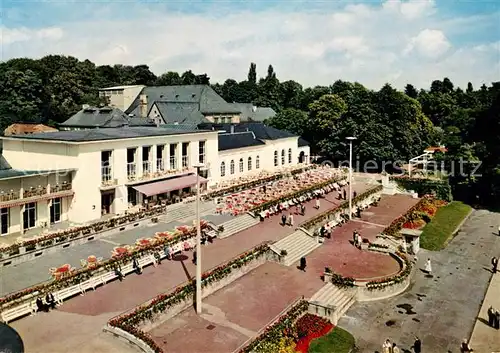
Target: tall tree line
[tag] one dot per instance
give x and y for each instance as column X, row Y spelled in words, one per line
column 390, row 125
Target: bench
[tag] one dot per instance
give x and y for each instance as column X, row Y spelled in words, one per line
column 19, row 311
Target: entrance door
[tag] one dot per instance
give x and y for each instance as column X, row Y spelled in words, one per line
column 29, row 215
column 302, row 157
column 55, row 210
column 107, row 202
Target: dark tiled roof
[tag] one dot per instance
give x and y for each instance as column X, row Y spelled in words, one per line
column 302, row 142
column 250, row 113
column 106, row 134
column 181, row 127
column 97, row 117
column 204, row 96
column 16, row 173
column 260, row 130
column 238, row 140
column 180, row 112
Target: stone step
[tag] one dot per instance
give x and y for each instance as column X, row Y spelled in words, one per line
column 297, row 245
column 185, row 211
column 237, row 225
column 340, row 299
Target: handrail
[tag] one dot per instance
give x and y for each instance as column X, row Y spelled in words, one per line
column 270, row 323
column 185, row 283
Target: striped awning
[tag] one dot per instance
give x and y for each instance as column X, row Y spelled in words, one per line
column 163, row 186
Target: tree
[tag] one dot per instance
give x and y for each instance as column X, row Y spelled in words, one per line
column 411, row 91
column 252, row 73
column 169, row 78
column 292, row 120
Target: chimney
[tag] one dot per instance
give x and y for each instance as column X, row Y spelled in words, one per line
column 143, row 105
column 232, row 129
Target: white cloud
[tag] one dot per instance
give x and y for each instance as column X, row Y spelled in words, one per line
column 397, row 41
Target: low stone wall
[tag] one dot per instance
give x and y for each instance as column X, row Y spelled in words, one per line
column 26, row 254
column 131, row 339
column 364, row 294
column 176, row 309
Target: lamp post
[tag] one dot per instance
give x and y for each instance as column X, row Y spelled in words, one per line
column 198, row 240
column 350, row 139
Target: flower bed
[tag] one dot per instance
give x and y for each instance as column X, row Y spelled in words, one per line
column 254, row 183
column 398, row 278
column 83, row 274
column 72, row 233
column 310, row 327
column 322, row 217
column 130, row 322
column 424, row 210
column 422, row 186
column 295, row 195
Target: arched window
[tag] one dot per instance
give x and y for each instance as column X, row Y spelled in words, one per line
column 222, row 169
column 249, row 163
column 282, row 156
column 241, row 165
column 257, row 162
column 289, row 155
column 231, row 167
column 275, row 158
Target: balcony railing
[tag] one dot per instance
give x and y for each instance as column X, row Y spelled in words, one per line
column 147, row 167
column 65, row 186
column 9, row 196
column 32, row 192
column 160, row 165
column 106, row 174
column 131, row 171
column 185, row 161
column 173, row 162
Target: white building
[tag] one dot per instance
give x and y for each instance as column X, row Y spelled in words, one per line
column 79, row 175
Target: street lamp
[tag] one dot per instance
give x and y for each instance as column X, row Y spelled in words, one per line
column 350, row 139
column 198, row 240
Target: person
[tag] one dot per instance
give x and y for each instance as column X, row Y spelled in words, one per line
column 387, row 346
column 417, row 345
column 290, row 220
column 354, row 194
column 40, row 306
column 302, row 209
column 360, row 241
column 358, row 212
column 345, row 194
column 50, row 300
column 491, row 316
column 497, row 319
column 303, row 264
column 317, row 206
column 194, row 257
column 283, row 219
column 465, row 348
column 118, row 273
column 494, row 263
column 428, row 267
column 395, row 348
column 354, row 237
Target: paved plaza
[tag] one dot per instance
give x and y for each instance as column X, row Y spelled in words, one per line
column 440, row 310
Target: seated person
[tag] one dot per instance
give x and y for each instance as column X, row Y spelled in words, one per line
column 40, row 306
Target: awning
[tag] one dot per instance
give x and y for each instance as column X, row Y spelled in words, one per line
column 163, row 186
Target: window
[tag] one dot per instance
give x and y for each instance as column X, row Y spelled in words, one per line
column 29, row 215
column 249, row 163
column 275, row 158
column 289, row 155
column 257, row 162
column 223, row 169
column 55, row 210
column 4, row 220
column 216, row 120
column 201, row 152
column 232, row 167
column 282, row 156
column 241, row 165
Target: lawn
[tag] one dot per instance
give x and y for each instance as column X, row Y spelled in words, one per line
column 337, row 341
column 440, row 229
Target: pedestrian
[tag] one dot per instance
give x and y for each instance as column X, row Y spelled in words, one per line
column 290, row 220
column 417, row 345
column 303, row 209
column 317, row 206
column 491, row 316
column 395, row 348
column 428, row 267
column 497, row 319
column 387, row 346
column 194, row 257
column 303, row 264
column 283, row 219
column 494, row 263
column 345, row 194
column 354, row 237
column 465, row 348
column 354, row 194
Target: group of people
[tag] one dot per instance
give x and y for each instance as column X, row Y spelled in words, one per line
column 50, row 303
column 494, row 318
column 391, row 347
column 287, row 220
column 356, row 239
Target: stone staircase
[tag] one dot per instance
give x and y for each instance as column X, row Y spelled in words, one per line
column 337, row 299
column 297, row 245
column 186, row 212
column 384, row 240
column 237, row 225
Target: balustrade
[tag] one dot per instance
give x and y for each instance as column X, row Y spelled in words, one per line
column 147, row 167
column 160, row 166
column 131, row 171
column 185, row 161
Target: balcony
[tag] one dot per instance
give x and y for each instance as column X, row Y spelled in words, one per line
column 173, row 162
column 185, row 161
column 34, row 194
column 131, row 171
column 65, row 186
column 160, row 165
column 106, row 174
column 147, row 167
column 9, row 196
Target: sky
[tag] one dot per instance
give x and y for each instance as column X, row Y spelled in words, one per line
column 313, row 42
